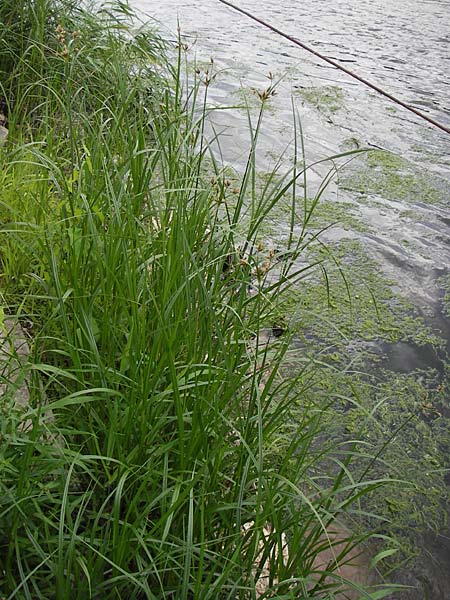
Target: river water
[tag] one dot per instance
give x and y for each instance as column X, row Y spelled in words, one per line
column 402, row 46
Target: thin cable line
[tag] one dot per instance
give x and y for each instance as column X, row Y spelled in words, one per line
column 338, row 66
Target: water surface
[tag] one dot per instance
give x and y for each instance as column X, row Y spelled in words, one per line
column 402, row 46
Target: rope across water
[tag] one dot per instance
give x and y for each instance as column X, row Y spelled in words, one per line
column 337, row 66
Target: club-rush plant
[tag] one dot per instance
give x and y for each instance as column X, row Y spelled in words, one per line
column 156, row 461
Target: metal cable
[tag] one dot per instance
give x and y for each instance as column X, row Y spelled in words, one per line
column 337, row 66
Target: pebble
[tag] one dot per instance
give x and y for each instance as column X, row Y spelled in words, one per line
column 3, row 134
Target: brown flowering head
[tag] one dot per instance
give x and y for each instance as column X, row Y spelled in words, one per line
column 227, row 183
column 264, row 95
column 236, row 191
column 60, row 34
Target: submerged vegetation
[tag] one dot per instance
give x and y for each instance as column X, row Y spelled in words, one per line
column 168, row 447
column 385, row 174
column 327, row 99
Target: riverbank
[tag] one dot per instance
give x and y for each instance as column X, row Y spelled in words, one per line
column 172, row 445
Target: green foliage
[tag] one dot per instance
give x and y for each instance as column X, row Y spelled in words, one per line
column 158, row 457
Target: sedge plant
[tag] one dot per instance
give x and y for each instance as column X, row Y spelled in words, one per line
column 155, row 462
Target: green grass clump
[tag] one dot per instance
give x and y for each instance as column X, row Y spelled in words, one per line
column 156, row 464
